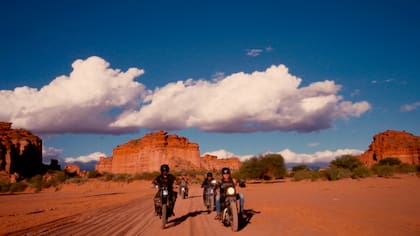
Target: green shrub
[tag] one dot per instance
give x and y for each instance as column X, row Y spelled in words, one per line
column 77, row 180
column 263, row 167
column 36, row 183
column 336, row 173
column 346, row 162
column 361, row 172
column 4, row 187
column 391, row 161
column 306, row 174
column 384, row 170
column 17, row 187
column 406, row 168
column 93, row 174
column 299, row 167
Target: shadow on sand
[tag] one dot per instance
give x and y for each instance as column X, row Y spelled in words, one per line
column 181, row 219
column 246, row 219
column 194, row 196
column 243, row 221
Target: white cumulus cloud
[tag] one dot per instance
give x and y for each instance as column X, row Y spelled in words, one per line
column 241, row 102
column 95, row 98
column 292, row 157
column 78, row 103
column 84, row 159
column 223, row 154
column 321, row 156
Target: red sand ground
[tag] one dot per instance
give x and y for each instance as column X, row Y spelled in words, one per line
column 372, row 206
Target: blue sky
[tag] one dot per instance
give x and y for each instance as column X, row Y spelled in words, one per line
column 311, row 80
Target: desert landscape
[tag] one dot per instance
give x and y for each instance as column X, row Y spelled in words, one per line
column 370, row 206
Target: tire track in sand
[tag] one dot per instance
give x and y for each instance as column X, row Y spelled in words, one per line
column 137, row 218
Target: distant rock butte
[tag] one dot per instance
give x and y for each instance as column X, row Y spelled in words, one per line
column 396, row 144
column 20, row 151
column 149, row 152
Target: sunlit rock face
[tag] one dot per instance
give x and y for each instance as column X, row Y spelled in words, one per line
column 210, row 162
column 20, row 151
column 396, row 144
column 149, row 152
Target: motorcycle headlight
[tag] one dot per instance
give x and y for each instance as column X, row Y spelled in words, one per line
column 230, row 191
column 213, row 181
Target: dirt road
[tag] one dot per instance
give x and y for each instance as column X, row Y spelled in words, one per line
column 137, row 218
column 372, row 206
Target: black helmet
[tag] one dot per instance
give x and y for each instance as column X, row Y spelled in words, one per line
column 209, row 174
column 164, row 168
column 225, row 170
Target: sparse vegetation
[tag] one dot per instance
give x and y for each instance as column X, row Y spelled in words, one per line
column 361, row 172
column 266, row 167
column 383, row 170
column 336, row 173
column 389, row 166
column 12, row 187
column 346, row 162
column 302, row 174
column 93, row 174
column 270, row 166
column 390, row 161
column 299, row 168
column 347, row 166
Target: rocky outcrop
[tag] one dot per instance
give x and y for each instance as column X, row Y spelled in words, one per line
column 210, row 162
column 72, row 170
column 396, row 144
column 149, row 152
column 20, row 151
column 104, row 165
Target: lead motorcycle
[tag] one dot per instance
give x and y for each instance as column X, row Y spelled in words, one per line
column 229, row 208
column 164, row 205
column 210, row 195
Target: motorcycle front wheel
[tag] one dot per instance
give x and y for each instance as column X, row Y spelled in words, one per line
column 234, row 221
column 164, row 215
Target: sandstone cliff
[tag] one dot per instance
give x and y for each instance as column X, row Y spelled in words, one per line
column 396, row 144
column 210, row 162
column 20, row 151
column 149, row 152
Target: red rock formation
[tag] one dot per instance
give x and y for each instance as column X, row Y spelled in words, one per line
column 104, row 165
column 149, row 152
column 396, row 144
column 20, row 151
column 72, row 170
column 210, row 162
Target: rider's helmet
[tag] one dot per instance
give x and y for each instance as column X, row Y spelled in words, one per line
column 164, row 168
column 209, row 174
column 225, row 170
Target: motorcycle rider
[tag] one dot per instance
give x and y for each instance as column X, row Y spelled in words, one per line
column 165, row 179
column 207, row 184
column 184, row 181
column 226, row 181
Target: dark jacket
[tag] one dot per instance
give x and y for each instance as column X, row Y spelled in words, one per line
column 162, row 181
column 207, row 183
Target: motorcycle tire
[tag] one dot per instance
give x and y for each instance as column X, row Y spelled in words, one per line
column 164, row 215
column 234, row 220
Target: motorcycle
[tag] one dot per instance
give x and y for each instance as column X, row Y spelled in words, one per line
column 230, row 215
column 184, row 191
column 210, row 195
column 163, row 205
